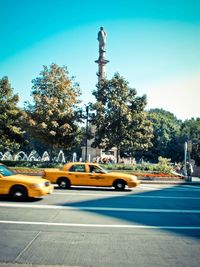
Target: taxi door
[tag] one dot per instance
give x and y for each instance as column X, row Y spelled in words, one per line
column 96, row 177
column 78, row 175
column 2, row 184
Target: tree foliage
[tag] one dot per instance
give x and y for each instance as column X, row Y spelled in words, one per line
column 10, row 118
column 190, row 132
column 53, row 117
column 166, row 136
column 120, row 117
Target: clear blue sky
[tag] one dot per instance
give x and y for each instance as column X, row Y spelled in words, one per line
column 153, row 44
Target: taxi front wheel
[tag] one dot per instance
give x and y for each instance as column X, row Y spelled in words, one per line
column 18, row 192
column 119, row 185
column 64, row 182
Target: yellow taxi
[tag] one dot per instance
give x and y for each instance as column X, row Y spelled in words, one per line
column 20, row 186
column 89, row 174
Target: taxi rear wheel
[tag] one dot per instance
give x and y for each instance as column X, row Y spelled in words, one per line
column 119, row 185
column 63, row 182
column 18, row 192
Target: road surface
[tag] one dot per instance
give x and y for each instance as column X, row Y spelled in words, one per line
column 151, row 225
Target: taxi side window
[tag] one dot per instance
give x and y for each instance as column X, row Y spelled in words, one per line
column 95, row 169
column 77, row 168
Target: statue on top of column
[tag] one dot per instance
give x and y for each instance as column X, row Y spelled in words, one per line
column 102, row 40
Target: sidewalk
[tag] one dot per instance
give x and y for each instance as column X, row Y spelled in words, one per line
column 195, row 181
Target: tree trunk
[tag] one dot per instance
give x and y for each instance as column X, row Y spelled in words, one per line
column 118, row 154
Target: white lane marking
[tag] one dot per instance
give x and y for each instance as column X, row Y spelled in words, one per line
column 160, row 188
column 193, row 187
column 102, row 225
column 172, row 188
column 147, row 187
column 96, row 208
column 126, row 196
column 77, row 194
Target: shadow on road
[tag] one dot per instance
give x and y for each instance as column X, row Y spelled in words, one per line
column 100, row 189
column 9, row 199
column 172, row 207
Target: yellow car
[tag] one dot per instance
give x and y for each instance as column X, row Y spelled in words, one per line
column 89, row 174
column 20, row 186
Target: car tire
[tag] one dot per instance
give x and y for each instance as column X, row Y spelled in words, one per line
column 18, row 192
column 119, row 185
column 63, row 183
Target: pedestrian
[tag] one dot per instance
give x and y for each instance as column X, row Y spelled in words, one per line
column 189, row 169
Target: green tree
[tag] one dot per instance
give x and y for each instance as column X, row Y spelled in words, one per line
column 53, row 117
column 120, row 120
column 190, row 131
column 10, row 118
column 166, row 132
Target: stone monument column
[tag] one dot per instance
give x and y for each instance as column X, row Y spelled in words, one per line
column 102, row 55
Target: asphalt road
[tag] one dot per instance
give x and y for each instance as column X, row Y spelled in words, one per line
column 151, row 225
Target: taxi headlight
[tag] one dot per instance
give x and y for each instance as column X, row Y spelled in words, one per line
column 134, row 178
column 39, row 185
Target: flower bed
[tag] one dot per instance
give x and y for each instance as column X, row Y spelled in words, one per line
column 152, row 176
column 28, row 171
column 156, row 174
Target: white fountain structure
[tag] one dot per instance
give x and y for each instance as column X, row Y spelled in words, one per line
column 7, row 156
column 32, row 156
column 61, row 157
column 45, row 156
column 1, row 155
column 21, row 155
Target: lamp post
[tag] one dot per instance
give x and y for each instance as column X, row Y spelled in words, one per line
column 185, row 158
column 86, row 132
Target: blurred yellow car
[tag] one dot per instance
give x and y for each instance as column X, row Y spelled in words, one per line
column 89, row 174
column 20, row 186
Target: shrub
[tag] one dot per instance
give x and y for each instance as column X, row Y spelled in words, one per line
column 164, row 165
column 31, row 164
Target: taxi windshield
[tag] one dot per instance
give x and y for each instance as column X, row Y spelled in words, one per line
column 5, row 171
column 104, row 170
